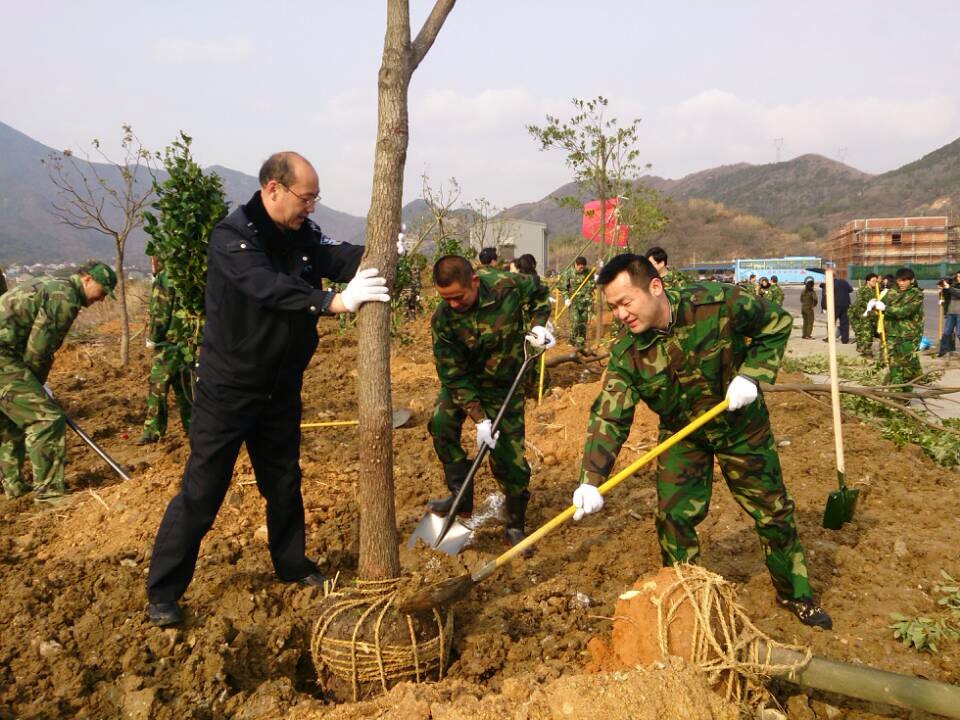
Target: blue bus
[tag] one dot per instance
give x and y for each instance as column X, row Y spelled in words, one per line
column 790, row 269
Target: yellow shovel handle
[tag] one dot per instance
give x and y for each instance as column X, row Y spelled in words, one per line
column 330, row 423
column 607, row 486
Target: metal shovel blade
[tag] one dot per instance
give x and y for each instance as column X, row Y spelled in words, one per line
column 428, row 530
column 840, row 507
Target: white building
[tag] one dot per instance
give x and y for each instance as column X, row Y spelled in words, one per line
column 513, row 237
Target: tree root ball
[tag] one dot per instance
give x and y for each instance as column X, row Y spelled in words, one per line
column 653, row 600
column 362, row 645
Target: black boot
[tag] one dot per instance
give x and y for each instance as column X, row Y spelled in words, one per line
column 516, row 507
column 455, row 474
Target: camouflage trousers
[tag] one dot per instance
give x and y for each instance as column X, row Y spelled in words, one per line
column 579, row 319
column 863, row 329
column 30, row 425
column 904, row 363
column 168, row 370
column 807, row 322
column 507, row 462
column 751, row 468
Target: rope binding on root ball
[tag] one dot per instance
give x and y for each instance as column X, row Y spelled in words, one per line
column 724, row 643
column 362, row 637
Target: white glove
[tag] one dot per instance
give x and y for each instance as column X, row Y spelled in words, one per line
column 880, row 305
column 401, row 249
column 150, row 344
column 740, row 393
column 485, row 435
column 870, row 306
column 566, row 302
column 586, row 499
column 541, row 337
column 366, row 286
column 553, row 301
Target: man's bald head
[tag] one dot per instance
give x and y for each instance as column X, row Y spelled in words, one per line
column 289, row 189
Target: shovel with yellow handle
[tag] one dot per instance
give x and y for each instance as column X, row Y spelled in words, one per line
column 447, row 591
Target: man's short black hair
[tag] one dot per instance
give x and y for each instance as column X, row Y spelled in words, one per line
column 640, row 269
column 773, row 279
column 452, row 269
column 487, row 256
column 905, row 273
column 657, row 254
column 278, row 167
column 870, row 276
column 581, row 260
column 527, row 264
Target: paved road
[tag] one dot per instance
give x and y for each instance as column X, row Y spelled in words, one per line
column 791, row 302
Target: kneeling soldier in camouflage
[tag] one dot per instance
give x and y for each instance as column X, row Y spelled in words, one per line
column 681, row 352
column 478, row 336
column 34, row 320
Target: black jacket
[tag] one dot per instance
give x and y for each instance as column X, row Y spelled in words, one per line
column 263, row 296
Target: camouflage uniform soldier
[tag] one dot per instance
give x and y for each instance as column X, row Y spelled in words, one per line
column 478, row 337
column 864, row 323
column 774, row 291
column 903, row 322
column 808, row 307
column 682, row 352
column 34, row 320
column 750, row 285
column 165, row 333
column 670, row 278
column 578, row 306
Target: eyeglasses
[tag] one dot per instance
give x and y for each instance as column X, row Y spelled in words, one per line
column 306, row 199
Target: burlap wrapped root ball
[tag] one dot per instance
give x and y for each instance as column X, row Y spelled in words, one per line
column 362, row 644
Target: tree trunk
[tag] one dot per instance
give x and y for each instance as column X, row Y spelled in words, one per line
column 379, row 551
column 122, row 293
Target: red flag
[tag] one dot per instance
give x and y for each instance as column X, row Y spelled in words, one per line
column 613, row 231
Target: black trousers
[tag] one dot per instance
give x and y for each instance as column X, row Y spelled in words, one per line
column 843, row 324
column 222, row 421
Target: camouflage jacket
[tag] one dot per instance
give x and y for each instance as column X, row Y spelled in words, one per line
column 482, row 348
column 808, row 299
column 749, row 287
column 903, row 316
column 774, row 294
column 35, row 319
column 675, row 279
column 570, row 280
column 163, row 326
column 865, row 294
column 716, row 331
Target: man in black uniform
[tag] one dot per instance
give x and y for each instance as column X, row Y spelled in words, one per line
column 265, row 265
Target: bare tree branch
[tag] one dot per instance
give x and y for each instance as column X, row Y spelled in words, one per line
column 428, row 33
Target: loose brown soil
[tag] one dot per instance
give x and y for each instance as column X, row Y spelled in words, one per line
column 76, row 642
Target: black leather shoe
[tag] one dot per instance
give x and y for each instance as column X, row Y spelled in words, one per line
column 808, row 612
column 164, row 614
column 314, row 579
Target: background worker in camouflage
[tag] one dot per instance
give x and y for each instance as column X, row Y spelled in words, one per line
column 681, row 353
column 478, row 339
column 808, row 307
column 669, row 277
column 165, row 334
column 903, row 322
column 774, row 291
column 578, row 305
column 864, row 323
column 34, row 320
column 749, row 285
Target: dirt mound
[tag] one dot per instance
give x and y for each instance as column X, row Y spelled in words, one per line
column 76, row 640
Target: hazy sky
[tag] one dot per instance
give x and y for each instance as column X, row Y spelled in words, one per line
column 714, row 82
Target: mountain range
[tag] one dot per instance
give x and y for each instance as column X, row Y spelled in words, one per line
column 742, row 209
